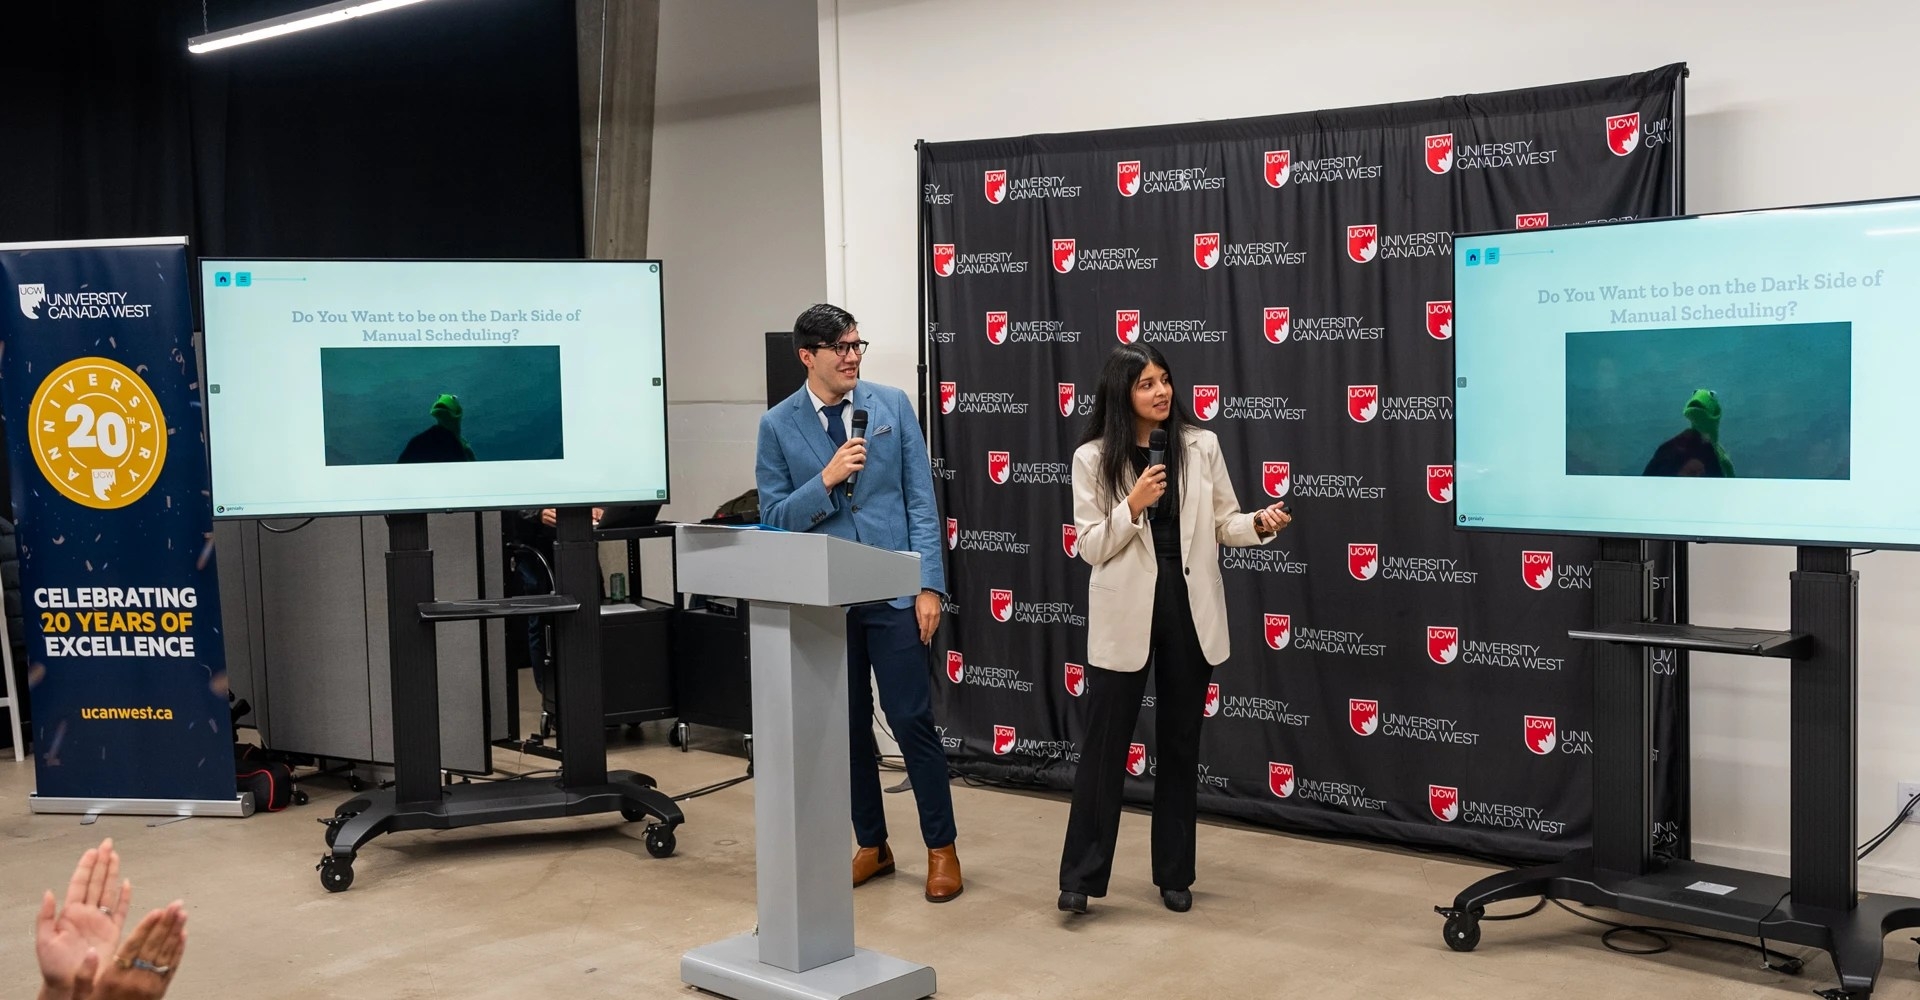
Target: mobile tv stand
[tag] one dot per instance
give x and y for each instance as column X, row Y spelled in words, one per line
column 1819, row 905
column 418, row 801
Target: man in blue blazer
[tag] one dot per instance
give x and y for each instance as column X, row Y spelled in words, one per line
column 807, row 453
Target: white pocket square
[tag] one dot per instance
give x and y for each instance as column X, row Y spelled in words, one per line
column 883, row 429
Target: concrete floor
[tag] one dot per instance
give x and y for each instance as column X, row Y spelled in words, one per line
column 575, row 908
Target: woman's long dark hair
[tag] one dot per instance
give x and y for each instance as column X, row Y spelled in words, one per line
column 1111, row 422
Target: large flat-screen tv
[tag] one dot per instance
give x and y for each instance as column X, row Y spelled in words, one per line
column 1740, row 377
column 395, row 386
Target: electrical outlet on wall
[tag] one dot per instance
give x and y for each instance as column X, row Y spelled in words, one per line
column 1908, row 789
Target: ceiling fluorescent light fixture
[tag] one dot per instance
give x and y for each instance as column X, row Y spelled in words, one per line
column 274, row 27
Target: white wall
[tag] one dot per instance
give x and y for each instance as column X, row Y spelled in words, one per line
column 1789, row 103
column 736, row 217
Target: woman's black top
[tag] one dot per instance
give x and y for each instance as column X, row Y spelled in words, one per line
column 1166, row 525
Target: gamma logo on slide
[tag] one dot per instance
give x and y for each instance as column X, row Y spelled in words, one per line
column 98, row 434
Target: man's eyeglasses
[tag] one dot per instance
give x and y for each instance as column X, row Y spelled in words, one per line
column 858, row 347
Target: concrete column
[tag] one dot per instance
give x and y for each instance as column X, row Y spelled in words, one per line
column 619, row 46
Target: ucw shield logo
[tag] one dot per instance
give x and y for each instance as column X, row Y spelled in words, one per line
column 999, row 463
column 1440, row 320
column 1280, row 779
column 1623, row 133
column 1444, row 800
column 1440, row 483
column 1530, row 220
column 997, row 328
column 953, row 532
column 1003, row 740
column 1363, row 560
column 949, row 394
column 1076, row 679
column 1277, row 322
column 943, row 259
column 1279, row 631
column 1206, row 250
column 1542, row 734
column 1537, row 569
column 1136, row 759
column 1279, row 167
column 996, row 186
column 1362, row 243
column 1440, row 152
column 1066, row 399
column 1001, row 601
column 1213, row 700
column 1063, row 255
column 1126, row 325
column 1363, row 402
column 1276, row 478
column 1363, row 714
column 1070, row 541
column 956, row 666
column 1126, row 177
column 1206, row 401
column 1443, row 643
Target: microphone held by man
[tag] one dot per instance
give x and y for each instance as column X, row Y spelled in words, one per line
column 859, row 435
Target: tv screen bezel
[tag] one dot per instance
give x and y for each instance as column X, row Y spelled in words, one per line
column 1453, row 377
column 200, row 281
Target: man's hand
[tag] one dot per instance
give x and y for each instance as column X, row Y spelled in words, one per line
column 91, row 920
column 851, row 458
column 926, row 607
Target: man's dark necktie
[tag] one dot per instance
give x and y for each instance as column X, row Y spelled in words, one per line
column 836, row 427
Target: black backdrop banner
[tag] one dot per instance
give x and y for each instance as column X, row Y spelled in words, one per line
column 1390, row 677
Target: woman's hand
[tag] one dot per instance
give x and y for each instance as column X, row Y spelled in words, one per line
column 1147, row 490
column 95, row 910
column 1269, row 520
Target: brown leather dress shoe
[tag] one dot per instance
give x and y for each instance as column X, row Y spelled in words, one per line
column 943, row 874
column 871, row 863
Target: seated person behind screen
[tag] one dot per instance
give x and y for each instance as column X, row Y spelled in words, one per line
column 441, row 442
column 1695, row 451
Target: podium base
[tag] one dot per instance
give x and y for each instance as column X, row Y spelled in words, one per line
column 732, row 968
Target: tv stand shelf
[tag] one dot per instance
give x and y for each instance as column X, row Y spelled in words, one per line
column 1701, row 638
column 497, row 607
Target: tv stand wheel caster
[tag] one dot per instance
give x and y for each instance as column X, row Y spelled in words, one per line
column 300, row 798
column 1462, row 932
column 678, row 736
column 747, row 741
column 336, row 874
column 355, row 783
column 660, row 841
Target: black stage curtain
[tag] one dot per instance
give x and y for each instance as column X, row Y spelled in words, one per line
column 429, row 131
column 432, row 131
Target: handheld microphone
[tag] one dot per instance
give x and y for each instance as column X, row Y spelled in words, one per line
column 859, row 431
column 1157, row 455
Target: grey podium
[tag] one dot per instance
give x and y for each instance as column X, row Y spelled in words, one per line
column 797, row 636
column 800, row 585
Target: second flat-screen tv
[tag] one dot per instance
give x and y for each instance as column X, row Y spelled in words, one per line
column 1738, row 377
column 388, row 386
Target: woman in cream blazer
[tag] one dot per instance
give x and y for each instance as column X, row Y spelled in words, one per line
column 1156, row 597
